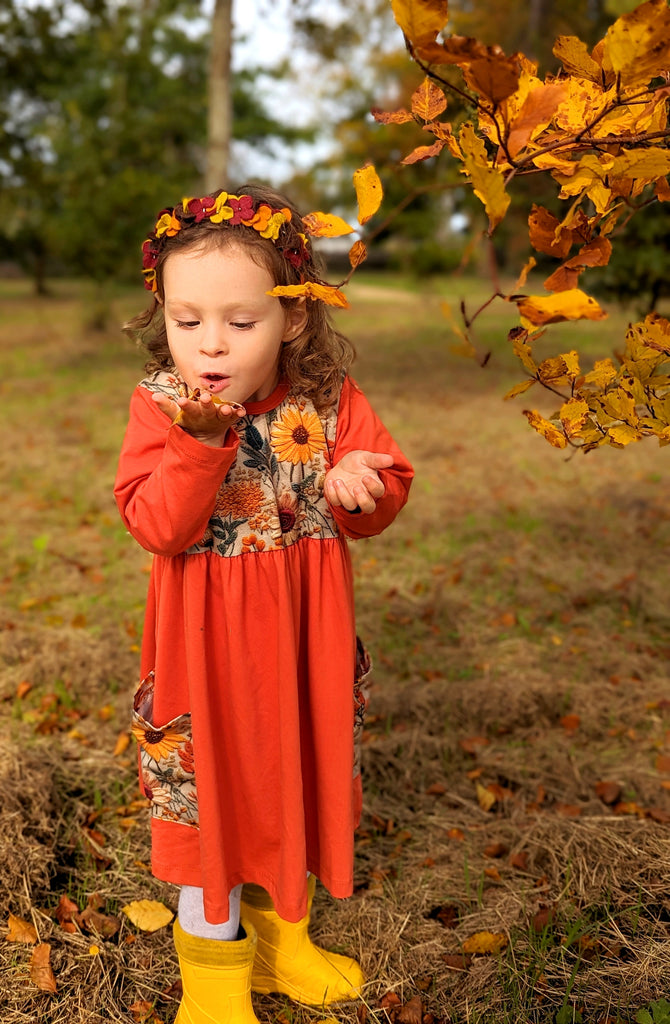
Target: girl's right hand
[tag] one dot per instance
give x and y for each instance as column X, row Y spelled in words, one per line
column 205, row 420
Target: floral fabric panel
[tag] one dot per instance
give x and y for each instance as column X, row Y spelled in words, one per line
column 361, row 696
column 273, row 493
column 167, row 772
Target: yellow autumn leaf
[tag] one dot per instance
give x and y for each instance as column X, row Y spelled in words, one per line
column 583, row 103
column 553, row 371
column 485, row 798
column 642, row 163
column 573, row 415
column 525, row 271
column 623, row 434
column 485, row 943
column 588, row 177
column 573, row 304
column 551, row 433
column 620, row 405
column 520, row 389
column 369, row 192
column 602, row 374
column 575, row 58
column 522, row 350
column 428, row 101
column 420, row 20
column 488, row 183
column 19, row 930
column 637, row 45
column 326, row 225
column 148, row 915
column 327, row 293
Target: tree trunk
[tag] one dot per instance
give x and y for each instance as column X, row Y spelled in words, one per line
column 220, row 112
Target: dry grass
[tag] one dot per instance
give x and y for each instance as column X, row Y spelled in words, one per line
column 517, row 588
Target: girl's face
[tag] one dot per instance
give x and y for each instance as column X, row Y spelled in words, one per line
column 224, row 331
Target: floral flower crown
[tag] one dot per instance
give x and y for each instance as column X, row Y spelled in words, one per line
column 224, row 209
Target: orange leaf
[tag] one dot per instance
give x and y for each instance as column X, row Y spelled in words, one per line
column 23, row 688
column 326, row 225
column 420, row 20
column 472, row 744
column 122, row 743
column 547, row 235
column 609, row 792
column 569, row 810
column 391, row 116
column 574, row 56
column 570, row 722
column 20, row 931
column 551, row 433
column 495, row 850
column 423, row 153
column 493, row 873
column 536, row 113
column 369, row 192
column 310, row 289
column 485, row 943
column 494, row 76
column 519, row 860
column 637, row 45
column 411, row 1012
column 456, row 833
column 663, row 763
column 428, row 101
column 40, row 968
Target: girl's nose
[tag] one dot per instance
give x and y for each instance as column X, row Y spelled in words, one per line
column 213, row 343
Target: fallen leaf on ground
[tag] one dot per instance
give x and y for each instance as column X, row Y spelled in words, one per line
column 104, row 924
column 496, row 850
column 20, row 931
column 519, row 860
column 41, row 973
column 485, row 798
column 66, row 913
column 543, row 918
column 389, row 1000
column 148, row 915
column 412, row 1011
column 457, row 961
column 570, row 722
column 609, row 792
column 485, row 943
column 446, row 914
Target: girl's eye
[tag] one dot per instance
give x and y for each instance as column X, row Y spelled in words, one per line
column 187, row 323
column 243, row 325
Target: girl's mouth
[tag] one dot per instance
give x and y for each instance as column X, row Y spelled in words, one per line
column 214, row 382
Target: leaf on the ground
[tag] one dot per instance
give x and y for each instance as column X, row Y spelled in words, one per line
column 494, row 850
column 485, row 798
column 519, row 860
column 389, row 1000
column 543, row 918
column 446, row 913
column 570, row 722
column 568, row 810
column 20, row 931
column 93, row 920
column 66, row 913
column 457, row 961
column 436, row 789
column 41, row 973
column 456, row 833
column 23, row 689
column 663, row 763
column 659, row 815
column 411, row 1012
column 148, row 915
column 609, row 792
column 122, row 743
column 485, row 943
column 472, row 744
column 493, row 873
column 143, row 1012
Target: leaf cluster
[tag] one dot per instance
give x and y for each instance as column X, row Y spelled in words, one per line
column 598, row 130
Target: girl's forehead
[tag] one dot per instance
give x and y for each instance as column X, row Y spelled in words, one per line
column 198, row 268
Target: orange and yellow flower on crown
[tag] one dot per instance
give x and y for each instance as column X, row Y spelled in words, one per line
column 158, row 743
column 297, row 436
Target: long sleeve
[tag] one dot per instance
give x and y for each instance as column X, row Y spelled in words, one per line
column 359, row 428
column 167, row 481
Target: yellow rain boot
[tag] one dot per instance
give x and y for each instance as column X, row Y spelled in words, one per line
column 216, row 977
column 287, row 960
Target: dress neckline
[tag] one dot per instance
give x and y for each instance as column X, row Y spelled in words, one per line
column 274, row 399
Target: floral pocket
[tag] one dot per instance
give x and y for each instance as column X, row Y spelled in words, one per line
column 167, row 769
column 361, row 694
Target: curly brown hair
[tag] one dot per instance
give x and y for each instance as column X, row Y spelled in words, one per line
column 314, row 361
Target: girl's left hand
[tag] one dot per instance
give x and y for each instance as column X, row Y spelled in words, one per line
column 354, row 482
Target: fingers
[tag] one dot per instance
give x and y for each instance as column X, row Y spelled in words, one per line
column 354, row 494
column 376, row 460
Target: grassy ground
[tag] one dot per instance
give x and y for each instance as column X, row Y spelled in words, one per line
column 516, row 612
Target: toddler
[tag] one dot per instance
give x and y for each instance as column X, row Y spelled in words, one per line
column 250, row 456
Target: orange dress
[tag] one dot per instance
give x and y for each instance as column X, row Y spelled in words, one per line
column 250, row 678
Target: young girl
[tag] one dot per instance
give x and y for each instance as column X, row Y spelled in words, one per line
column 249, row 457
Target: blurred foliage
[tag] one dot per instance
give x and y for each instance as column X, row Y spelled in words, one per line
column 103, row 118
column 644, row 279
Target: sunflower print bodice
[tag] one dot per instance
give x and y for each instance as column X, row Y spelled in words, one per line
column 272, row 495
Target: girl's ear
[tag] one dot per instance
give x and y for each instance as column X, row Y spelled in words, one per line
column 296, row 318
